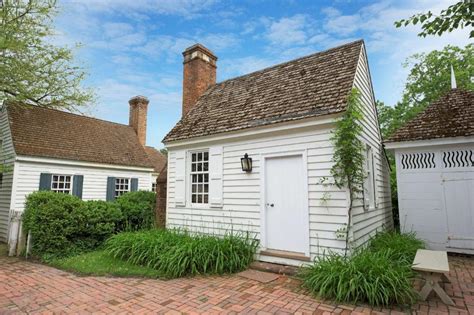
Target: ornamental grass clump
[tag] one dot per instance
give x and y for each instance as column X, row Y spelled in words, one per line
column 379, row 274
column 177, row 253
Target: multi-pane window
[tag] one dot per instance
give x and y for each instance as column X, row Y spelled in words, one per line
column 369, row 183
column 61, row 184
column 153, row 187
column 200, row 177
column 122, row 186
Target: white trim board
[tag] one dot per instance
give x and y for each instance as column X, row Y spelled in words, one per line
column 80, row 163
column 425, row 143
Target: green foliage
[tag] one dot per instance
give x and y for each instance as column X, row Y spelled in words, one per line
column 99, row 263
column 403, row 247
column 32, row 70
column 380, row 274
column 458, row 15
column 138, row 210
column 348, row 156
column 428, row 80
column 176, row 253
column 63, row 225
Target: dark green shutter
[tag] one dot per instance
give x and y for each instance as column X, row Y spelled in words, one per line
column 45, row 181
column 110, row 188
column 134, row 184
column 77, row 182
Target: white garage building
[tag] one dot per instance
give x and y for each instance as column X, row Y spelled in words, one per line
column 435, row 173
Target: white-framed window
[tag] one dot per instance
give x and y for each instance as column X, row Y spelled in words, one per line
column 369, row 182
column 61, row 183
column 153, row 187
column 122, row 186
column 199, row 177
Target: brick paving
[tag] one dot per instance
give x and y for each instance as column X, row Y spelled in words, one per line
column 27, row 287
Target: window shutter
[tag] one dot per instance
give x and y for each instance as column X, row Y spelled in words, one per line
column 134, row 184
column 215, row 176
column 110, row 189
column 374, row 170
column 77, row 182
column 180, row 179
column 45, row 181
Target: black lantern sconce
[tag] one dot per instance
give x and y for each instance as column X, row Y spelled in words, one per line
column 246, row 163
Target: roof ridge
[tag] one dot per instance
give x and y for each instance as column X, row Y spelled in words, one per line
column 289, row 61
column 69, row 113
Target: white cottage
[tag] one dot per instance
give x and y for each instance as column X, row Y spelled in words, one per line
column 434, row 155
column 282, row 117
column 49, row 149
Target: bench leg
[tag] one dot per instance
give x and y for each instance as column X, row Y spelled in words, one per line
column 432, row 284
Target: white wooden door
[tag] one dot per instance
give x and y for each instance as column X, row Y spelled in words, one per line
column 459, row 196
column 286, row 212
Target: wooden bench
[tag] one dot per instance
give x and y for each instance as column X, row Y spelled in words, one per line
column 433, row 267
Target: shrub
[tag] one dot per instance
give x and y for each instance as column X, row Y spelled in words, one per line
column 138, row 210
column 176, row 253
column 61, row 225
column 403, row 246
column 368, row 276
column 379, row 274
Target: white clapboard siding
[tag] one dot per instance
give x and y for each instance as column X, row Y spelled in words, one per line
column 27, row 174
column 7, row 157
column 241, row 207
column 366, row 222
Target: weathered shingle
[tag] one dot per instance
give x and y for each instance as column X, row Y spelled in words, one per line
column 156, row 158
column 450, row 116
column 311, row 86
column 43, row 132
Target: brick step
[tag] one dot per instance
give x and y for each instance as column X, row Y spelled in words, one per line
column 274, row 268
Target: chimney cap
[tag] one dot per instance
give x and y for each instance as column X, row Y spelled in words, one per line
column 139, row 99
column 199, row 47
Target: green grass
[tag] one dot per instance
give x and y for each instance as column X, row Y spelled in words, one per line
column 99, row 263
column 176, row 253
column 379, row 274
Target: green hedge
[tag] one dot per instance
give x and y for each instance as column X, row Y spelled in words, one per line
column 176, row 253
column 62, row 225
column 380, row 274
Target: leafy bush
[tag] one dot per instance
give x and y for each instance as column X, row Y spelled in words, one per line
column 402, row 246
column 138, row 210
column 62, row 225
column 176, row 253
column 371, row 277
column 380, row 274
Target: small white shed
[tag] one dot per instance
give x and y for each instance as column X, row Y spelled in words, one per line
column 435, row 173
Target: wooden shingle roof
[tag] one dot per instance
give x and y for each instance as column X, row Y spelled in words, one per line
column 156, row 158
column 44, row 132
column 450, row 116
column 311, row 86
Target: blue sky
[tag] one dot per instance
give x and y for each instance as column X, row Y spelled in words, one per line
column 133, row 47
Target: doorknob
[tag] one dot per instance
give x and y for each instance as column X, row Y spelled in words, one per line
column 270, row 204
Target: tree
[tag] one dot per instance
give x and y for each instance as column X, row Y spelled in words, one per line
column 33, row 71
column 348, row 157
column 428, row 80
column 458, row 15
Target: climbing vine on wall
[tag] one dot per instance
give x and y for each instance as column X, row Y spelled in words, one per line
column 348, row 157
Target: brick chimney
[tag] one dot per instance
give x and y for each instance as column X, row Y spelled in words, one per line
column 138, row 116
column 199, row 72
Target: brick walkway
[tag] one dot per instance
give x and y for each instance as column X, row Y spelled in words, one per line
column 32, row 288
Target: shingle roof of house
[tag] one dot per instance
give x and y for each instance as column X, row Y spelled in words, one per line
column 311, row 86
column 450, row 116
column 43, row 132
column 156, row 158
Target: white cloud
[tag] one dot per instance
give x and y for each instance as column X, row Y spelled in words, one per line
column 117, row 29
column 239, row 66
column 288, row 30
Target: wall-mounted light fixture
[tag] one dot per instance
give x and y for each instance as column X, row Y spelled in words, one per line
column 246, row 163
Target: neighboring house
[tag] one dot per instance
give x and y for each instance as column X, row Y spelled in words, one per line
column 282, row 117
column 434, row 155
column 47, row 149
column 158, row 160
